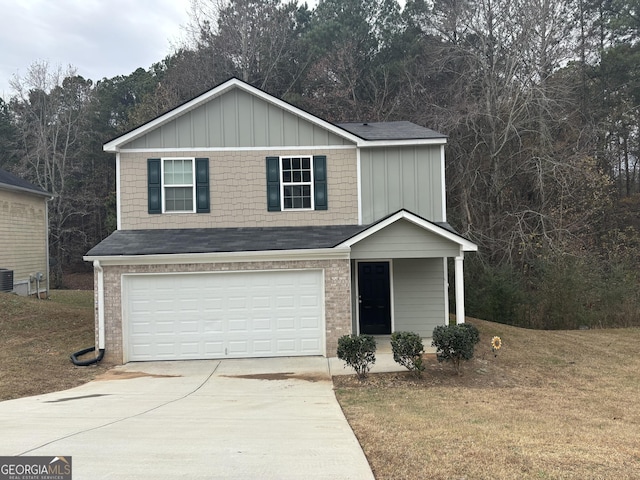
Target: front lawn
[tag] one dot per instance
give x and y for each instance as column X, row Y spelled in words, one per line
column 551, row 405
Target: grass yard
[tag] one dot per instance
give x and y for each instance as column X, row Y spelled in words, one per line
column 36, row 339
column 551, row 405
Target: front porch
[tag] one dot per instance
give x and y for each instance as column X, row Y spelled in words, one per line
column 399, row 275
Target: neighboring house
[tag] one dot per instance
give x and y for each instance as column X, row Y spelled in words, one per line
column 24, row 236
column 248, row 227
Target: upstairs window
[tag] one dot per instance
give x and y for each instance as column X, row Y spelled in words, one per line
column 179, row 184
column 297, row 183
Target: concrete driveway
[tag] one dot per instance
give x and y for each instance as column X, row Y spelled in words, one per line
column 247, row 419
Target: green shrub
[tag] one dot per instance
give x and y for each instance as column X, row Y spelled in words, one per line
column 407, row 350
column 455, row 343
column 359, row 352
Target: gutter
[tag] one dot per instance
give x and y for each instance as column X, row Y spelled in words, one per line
column 101, row 331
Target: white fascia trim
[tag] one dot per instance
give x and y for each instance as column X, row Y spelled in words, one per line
column 359, row 183
column 114, row 145
column 222, row 257
column 465, row 244
column 443, row 184
column 118, row 193
column 402, row 143
column 14, row 188
column 181, row 150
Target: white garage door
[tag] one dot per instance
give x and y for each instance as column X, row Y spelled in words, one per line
column 223, row 315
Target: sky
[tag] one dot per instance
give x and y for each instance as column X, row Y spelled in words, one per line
column 100, row 38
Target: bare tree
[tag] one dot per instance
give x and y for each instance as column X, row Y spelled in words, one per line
column 49, row 107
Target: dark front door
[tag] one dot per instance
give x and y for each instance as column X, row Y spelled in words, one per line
column 374, row 297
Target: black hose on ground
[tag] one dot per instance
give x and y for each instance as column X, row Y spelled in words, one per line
column 85, row 363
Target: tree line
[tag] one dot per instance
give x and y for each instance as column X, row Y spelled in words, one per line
column 540, row 100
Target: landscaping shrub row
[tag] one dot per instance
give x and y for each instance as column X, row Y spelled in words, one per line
column 453, row 343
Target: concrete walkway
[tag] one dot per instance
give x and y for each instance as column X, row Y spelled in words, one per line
column 233, row 419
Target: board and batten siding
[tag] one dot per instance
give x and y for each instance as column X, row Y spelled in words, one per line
column 23, row 236
column 402, row 177
column 404, row 239
column 419, row 295
column 236, row 119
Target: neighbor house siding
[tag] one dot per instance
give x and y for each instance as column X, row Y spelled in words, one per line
column 402, row 177
column 403, row 239
column 23, row 237
column 236, row 119
column 337, row 294
column 419, row 296
column 238, row 191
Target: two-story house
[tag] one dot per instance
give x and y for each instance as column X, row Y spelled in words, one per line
column 248, row 227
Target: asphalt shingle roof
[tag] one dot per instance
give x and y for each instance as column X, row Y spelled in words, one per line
column 390, row 131
column 16, row 183
column 218, row 240
column 226, row 240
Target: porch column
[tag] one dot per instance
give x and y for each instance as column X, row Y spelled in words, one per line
column 459, row 288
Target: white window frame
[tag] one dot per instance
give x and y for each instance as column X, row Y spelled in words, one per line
column 284, row 184
column 164, row 187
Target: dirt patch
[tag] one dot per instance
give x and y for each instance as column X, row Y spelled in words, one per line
column 78, row 281
column 126, row 375
column 310, row 377
column 480, row 372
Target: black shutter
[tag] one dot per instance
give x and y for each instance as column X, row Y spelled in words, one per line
column 320, row 181
column 154, row 185
column 273, row 184
column 202, row 185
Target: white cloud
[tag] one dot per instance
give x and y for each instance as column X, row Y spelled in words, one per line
column 100, row 38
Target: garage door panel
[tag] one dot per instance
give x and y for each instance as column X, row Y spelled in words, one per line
column 219, row 315
column 262, row 325
column 212, row 326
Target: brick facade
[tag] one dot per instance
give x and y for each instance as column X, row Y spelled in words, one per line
column 239, row 192
column 337, row 291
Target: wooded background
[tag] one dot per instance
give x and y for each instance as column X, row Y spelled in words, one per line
column 540, row 100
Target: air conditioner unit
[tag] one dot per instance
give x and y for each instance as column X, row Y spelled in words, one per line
column 6, row 280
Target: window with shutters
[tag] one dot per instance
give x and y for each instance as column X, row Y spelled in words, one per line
column 178, row 185
column 297, row 183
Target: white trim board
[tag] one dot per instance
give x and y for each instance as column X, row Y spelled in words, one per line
column 465, row 245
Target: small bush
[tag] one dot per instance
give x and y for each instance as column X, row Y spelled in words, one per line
column 407, row 350
column 455, row 343
column 359, row 352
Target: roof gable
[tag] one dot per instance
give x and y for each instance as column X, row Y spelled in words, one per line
column 233, row 114
column 442, row 230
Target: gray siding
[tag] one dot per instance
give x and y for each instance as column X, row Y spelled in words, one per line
column 402, row 177
column 236, row 119
column 403, row 239
column 419, row 295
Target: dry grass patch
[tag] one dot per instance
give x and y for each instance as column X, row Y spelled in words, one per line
column 36, row 339
column 552, row 404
